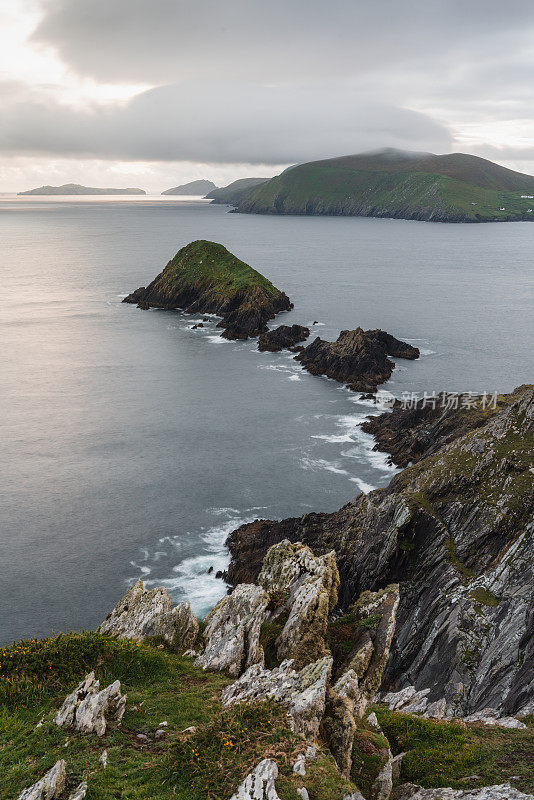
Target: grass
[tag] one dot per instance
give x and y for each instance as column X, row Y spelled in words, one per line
column 204, row 264
column 458, row 755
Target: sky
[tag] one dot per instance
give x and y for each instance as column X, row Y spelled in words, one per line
column 153, row 93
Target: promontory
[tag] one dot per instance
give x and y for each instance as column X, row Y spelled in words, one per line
column 76, row 188
column 204, row 277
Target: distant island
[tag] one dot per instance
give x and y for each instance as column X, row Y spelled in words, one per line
column 204, row 277
column 76, row 188
column 198, row 188
column 392, row 183
column 235, row 191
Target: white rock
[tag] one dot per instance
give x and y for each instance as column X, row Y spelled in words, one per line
column 354, row 796
column 259, row 784
column 80, row 792
column 302, row 693
column 104, row 758
column 148, row 612
column 488, row 716
column 394, row 700
column 303, row 793
column 299, row 767
column 232, row 633
column 499, row 792
column 381, row 788
column 396, row 766
column 373, row 723
column 49, row 787
column 436, row 710
column 90, row 710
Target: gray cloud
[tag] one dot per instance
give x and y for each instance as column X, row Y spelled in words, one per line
column 220, row 122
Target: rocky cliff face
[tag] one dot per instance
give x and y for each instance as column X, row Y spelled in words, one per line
column 204, row 277
column 358, row 358
column 283, row 337
column 456, row 529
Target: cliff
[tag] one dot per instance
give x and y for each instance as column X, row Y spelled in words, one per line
column 233, row 193
column 456, row 530
column 204, row 277
column 456, row 187
column 75, row 188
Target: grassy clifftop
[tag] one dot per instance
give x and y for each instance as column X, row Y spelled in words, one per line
column 449, row 188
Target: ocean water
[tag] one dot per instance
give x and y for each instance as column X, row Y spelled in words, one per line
column 132, row 445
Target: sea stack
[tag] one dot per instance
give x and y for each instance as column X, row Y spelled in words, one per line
column 204, row 277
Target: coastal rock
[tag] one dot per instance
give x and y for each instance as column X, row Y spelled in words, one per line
column 381, row 788
column 306, row 588
column 232, row 633
column 302, row 693
column 339, row 721
column 49, row 787
column 148, row 612
column 283, row 337
column 259, row 784
column 358, row 358
column 456, row 530
column 90, row 709
column 80, row 792
column 204, row 277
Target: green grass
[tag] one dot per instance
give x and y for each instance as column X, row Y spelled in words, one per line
column 204, row 264
column 458, row 755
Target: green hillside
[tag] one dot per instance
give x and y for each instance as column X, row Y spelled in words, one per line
column 450, row 188
column 234, row 192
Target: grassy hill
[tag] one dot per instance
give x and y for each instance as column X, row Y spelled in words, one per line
column 233, row 193
column 76, row 188
column 194, row 188
column 391, row 183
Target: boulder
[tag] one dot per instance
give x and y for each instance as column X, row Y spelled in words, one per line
column 80, row 792
column 302, row 693
column 232, row 633
column 90, row 710
column 304, row 587
column 148, row 612
column 49, row 787
column 259, row 784
column 501, row 791
column 283, row 337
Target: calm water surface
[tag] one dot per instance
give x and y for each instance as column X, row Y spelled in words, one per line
column 132, row 444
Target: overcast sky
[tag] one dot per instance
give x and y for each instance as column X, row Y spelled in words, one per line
column 152, row 93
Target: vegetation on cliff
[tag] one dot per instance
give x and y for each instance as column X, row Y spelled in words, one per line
column 205, row 277
column 391, row 183
column 233, row 193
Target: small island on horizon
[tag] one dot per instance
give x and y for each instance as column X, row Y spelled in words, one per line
column 78, row 189
column 198, row 188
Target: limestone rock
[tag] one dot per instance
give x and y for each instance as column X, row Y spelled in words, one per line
column 490, row 716
column 307, row 586
column 436, row 710
column 381, row 788
column 49, row 787
column 90, row 709
column 259, row 784
column 339, row 723
column 499, row 792
column 148, row 612
column 302, row 693
column 80, row 792
column 232, row 633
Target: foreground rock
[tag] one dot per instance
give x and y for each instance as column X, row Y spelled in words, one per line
column 259, row 784
column 358, row 358
column 501, row 791
column 302, row 693
column 204, row 277
column 148, row 612
column 50, row 786
column 303, row 587
column 90, row 710
column 456, row 529
column 283, row 337
column 232, row 633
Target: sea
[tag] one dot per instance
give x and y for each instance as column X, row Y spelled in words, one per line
column 132, row 445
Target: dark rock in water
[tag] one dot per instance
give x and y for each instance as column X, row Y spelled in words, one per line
column 210, row 570
column 219, row 574
column 198, row 325
column 205, row 277
column 414, row 430
column 456, row 530
column 205, row 319
column 142, row 304
column 358, row 358
column 283, row 337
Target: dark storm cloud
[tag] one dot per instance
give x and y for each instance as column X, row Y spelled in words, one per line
column 220, row 122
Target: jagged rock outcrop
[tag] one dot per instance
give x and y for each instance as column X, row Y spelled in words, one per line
column 501, row 791
column 456, row 530
column 204, row 277
column 304, row 587
column 410, row 701
column 357, row 358
column 48, row 787
column 282, row 338
column 148, row 612
column 232, row 632
column 302, row 693
column 91, row 710
column 259, row 784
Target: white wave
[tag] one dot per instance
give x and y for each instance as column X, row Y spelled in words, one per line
column 333, row 438
column 217, row 339
column 424, row 352
column 294, row 378
column 362, row 485
column 320, row 463
column 142, row 569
